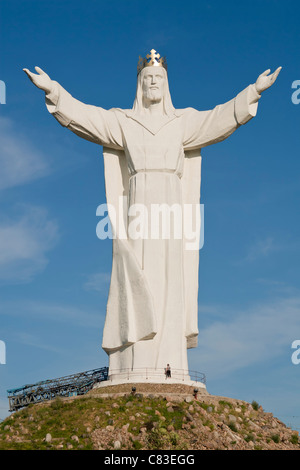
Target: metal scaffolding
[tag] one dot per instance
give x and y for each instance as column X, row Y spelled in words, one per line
column 70, row 385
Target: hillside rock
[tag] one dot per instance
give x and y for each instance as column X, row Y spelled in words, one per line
column 155, row 418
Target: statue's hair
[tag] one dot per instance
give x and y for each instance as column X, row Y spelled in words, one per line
column 138, row 107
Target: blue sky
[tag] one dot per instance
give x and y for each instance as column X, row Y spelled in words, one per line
column 54, row 271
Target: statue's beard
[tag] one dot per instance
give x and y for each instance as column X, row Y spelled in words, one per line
column 153, row 95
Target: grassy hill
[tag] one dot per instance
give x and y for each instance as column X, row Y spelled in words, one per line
column 114, row 418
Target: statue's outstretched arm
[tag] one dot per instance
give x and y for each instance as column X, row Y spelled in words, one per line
column 265, row 80
column 40, row 80
column 203, row 128
column 89, row 122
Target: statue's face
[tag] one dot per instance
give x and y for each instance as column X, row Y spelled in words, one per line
column 153, row 84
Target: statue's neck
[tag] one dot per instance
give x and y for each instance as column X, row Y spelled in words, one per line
column 153, row 108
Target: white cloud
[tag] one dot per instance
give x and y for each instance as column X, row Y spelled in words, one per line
column 98, row 282
column 24, row 243
column 262, row 333
column 20, row 161
column 261, row 248
column 42, row 312
column 33, row 341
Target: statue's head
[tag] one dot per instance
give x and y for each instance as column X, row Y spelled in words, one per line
column 152, row 84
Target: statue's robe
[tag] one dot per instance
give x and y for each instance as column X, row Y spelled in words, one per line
column 152, row 308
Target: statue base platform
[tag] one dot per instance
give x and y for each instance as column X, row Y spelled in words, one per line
column 179, row 377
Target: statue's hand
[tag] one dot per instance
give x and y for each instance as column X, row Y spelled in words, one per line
column 41, row 79
column 265, row 80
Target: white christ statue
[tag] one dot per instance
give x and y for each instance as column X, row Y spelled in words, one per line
column 152, row 156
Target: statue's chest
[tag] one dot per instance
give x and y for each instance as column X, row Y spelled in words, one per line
column 147, row 150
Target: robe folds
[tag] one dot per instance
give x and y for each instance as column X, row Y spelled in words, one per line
column 152, row 308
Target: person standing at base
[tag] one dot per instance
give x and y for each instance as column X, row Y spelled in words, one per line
column 168, row 371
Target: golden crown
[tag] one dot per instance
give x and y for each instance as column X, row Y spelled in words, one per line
column 152, row 59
